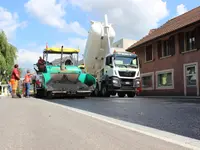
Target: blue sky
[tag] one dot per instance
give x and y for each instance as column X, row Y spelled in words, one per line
column 66, row 22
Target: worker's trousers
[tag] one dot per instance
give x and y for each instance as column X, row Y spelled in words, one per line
column 27, row 89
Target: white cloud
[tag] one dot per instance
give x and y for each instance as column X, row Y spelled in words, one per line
column 131, row 18
column 9, row 22
column 181, row 9
column 27, row 57
column 52, row 13
column 74, row 43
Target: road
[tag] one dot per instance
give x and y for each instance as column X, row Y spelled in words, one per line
column 33, row 124
column 175, row 115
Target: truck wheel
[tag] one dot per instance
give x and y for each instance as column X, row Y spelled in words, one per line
column 96, row 92
column 39, row 94
column 49, row 95
column 121, row 94
column 131, row 94
column 104, row 91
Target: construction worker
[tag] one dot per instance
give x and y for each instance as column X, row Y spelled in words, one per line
column 41, row 64
column 27, row 82
column 15, row 77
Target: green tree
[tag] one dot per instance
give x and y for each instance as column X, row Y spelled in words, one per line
column 7, row 54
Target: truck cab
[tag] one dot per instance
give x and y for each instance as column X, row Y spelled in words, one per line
column 120, row 74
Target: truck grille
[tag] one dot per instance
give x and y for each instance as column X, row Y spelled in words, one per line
column 127, row 73
column 126, row 84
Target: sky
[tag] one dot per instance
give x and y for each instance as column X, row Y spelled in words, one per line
column 30, row 24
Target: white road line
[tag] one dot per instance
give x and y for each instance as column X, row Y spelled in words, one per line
column 163, row 135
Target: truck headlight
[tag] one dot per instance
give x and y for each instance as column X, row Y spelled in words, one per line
column 137, row 82
column 115, row 81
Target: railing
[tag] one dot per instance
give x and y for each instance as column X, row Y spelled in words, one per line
column 4, row 90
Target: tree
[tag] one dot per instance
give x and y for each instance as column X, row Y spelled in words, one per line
column 7, row 54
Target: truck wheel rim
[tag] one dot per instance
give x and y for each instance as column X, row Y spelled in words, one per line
column 104, row 90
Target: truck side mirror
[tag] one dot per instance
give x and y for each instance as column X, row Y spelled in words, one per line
column 111, row 65
column 107, row 61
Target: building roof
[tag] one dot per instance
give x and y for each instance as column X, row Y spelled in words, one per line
column 174, row 24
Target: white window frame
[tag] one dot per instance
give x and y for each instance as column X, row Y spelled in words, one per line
column 148, row 74
column 146, row 54
column 165, row 71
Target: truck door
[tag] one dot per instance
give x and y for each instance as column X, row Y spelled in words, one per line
column 109, row 65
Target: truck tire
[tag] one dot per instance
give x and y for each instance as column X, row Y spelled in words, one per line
column 104, row 91
column 121, row 94
column 39, row 93
column 96, row 92
column 49, row 95
column 131, row 94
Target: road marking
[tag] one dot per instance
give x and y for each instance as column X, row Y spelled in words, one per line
column 159, row 134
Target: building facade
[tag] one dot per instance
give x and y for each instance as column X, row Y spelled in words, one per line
column 123, row 43
column 170, row 57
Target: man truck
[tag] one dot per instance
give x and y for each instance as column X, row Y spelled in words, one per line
column 115, row 72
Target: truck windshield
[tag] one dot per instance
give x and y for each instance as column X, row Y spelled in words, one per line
column 126, row 61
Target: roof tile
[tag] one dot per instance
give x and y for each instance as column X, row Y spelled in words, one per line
column 171, row 25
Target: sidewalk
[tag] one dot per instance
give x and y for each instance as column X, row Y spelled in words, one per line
column 28, row 124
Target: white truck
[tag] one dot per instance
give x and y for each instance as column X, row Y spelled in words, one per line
column 115, row 72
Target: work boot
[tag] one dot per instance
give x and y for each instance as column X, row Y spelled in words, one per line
column 14, row 95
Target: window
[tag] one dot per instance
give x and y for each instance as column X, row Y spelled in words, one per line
column 109, row 60
column 190, row 40
column 147, row 81
column 165, row 79
column 126, row 61
column 149, row 53
column 166, row 48
column 191, row 75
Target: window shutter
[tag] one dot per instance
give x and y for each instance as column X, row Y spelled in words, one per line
column 159, row 49
column 181, row 42
column 172, row 45
column 197, row 38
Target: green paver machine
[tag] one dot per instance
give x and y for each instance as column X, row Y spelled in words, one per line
column 65, row 78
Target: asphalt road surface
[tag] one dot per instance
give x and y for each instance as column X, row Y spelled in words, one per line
column 175, row 115
column 32, row 124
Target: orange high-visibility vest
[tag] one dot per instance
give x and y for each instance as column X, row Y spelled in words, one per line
column 27, row 78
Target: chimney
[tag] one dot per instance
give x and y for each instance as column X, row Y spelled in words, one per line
column 151, row 31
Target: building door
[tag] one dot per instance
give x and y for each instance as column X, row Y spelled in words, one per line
column 191, row 80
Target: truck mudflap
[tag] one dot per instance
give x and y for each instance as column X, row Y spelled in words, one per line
column 67, row 84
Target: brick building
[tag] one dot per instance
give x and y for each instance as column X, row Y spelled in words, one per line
column 170, row 57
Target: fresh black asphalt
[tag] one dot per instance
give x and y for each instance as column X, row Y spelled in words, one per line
column 173, row 115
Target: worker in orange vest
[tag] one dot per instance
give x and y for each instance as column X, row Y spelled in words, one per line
column 15, row 77
column 27, row 81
